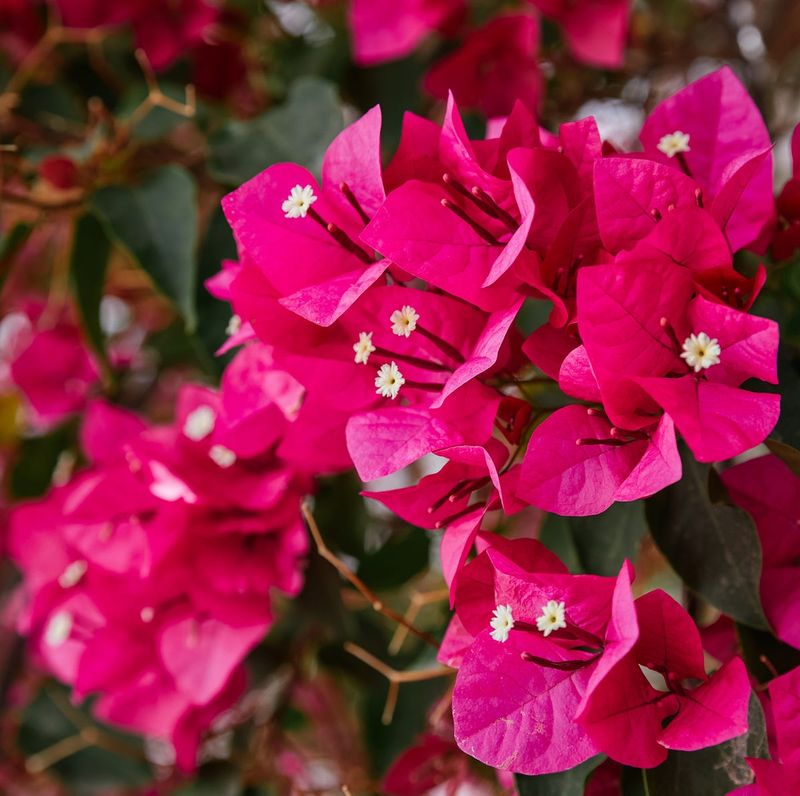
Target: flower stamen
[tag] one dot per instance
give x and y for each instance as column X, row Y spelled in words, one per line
column 502, row 622
column 553, row 617
column 701, row 351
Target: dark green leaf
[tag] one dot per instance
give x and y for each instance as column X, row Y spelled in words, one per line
column 716, row 770
column 156, row 223
column 604, row 541
column 556, row 536
column 404, row 555
column 92, row 771
column 298, row 131
column 36, row 461
column 88, row 260
column 10, row 244
column 764, row 654
column 599, row 544
column 217, row 245
column 565, row 783
column 713, row 547
column 788, row 428
column 213, row 779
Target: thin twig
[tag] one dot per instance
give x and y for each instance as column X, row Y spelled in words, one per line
column 156, row 98
column 395, row 677
column 375, row 602
column 419, row 599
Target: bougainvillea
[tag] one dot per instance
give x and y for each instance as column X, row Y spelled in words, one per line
column 350, row 448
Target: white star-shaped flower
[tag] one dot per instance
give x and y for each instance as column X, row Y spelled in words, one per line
column 299, row 201
column 58, row 629
column 199, row 422
column 701, row 351
column 501, row 623
column 389, row 381
column 404, row 321
column 72, row 575
column 552, row 618
column 363, row 348
column 222, row 456
column 674, row 143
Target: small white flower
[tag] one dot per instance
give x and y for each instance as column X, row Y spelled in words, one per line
column 299, row 201
column 199, row 422
column 501, row 623
column 552, row 617
column 58, row 629
column 363, row 348
column 404, row 321
column 389, row 381
column 146, row 614
column 701, row 351
column 234, row 326
column 222, row 456
column 72, row 575
column 674, row 143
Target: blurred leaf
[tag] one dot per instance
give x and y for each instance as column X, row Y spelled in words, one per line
column 10, row 244
column 788, row 428
column 36, row 460
column 565, row 783
column 46, row 103
column 92, row 771
column 156, row 223
column 716, row 770
column 217, row 245
column 404, row 555
column 88, row 260
column 713, row 547
column 298, row 131
column 214, row 779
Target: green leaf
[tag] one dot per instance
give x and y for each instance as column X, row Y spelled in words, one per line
column 764, row 654
column 556, row 535
column 404, row 555
column 155, row 222
column 716, row 770
column 37, row 459
column 10, row 244
column 88, row 260
column 713, row 547
column 604, row 541
column 217, row 245
column 599, row 544
column 298, row 131
column 565, row 783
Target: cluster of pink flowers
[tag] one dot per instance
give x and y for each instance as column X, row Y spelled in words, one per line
column 390, row 294
column 494, row 64
column 415, row 350
column 148, row 576
column 555, row 668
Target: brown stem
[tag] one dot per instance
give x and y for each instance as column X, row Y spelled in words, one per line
column 375, row 602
